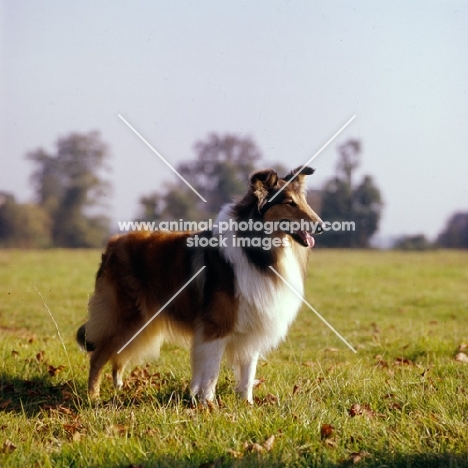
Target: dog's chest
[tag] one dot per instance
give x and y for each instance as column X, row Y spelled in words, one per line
column 265, row 301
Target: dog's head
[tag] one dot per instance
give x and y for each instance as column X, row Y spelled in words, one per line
column 284, row 200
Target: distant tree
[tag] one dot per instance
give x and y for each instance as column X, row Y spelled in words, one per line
column 150, row 207
column 455, row 234
column 69, row 187
column 343, row 201
column 221, row 168
column 416, row 242
column 23, row 225
column 219, row 172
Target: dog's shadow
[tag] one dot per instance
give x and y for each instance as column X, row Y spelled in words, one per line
column 32, row 396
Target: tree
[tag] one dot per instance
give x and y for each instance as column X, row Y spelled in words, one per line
column 342, row 201
column 23, row 225
column 455, row 234
column 219, row 172
column 221, row 168
column 70, row 188
column 416, row 242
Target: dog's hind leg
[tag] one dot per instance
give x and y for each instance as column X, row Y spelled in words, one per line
column 206, row 360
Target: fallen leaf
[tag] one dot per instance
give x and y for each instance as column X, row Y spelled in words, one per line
column 356, row 457
column 258, row 382
column 462, row 346
column 268, row 444
column 270, row 398
column 331, row 443
column 14, row 353
column 118, row 429
column 8, row 446
column 40, row 356
column 461, row 357
column 326, row 431
column 402, row 361
column 53, row 371
column 210, row 406
column 296, row 389
column 255, row 448
column 395, row 406
column 359, row 410
column 234, row 453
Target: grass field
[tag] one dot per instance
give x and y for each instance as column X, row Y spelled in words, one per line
column 402, row 400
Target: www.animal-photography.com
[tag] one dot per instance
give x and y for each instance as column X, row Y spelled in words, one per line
column 233, row 234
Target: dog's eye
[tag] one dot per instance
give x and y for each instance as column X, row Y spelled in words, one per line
column 290, row 202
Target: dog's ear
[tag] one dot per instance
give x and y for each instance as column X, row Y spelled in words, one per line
column 299, row 179
column 261, row 183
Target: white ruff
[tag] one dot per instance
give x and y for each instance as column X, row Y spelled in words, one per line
column 266, row 307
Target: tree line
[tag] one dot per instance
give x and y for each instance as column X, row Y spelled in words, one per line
column 71, row 191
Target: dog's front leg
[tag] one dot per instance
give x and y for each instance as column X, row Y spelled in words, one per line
column 206, row 361
column 245, row 375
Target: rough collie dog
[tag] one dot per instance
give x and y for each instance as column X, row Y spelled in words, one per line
column 237, row 306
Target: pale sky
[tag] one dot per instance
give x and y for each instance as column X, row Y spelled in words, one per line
column 287, row 73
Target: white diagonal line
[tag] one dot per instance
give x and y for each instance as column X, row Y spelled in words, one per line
column 313, row 310
column 312, row 158
column 161, row 157
column 161, row 309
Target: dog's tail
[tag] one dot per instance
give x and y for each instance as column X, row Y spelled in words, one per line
column 81, row 339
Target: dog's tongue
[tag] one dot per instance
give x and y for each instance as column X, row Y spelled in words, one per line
column 307, row 238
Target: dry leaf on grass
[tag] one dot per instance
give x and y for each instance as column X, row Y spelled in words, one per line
column 53, row 371
column 296, row 389
column 462, row 346
column 58, row 408
column 258, row 382
column 8, row 446
column 361, row 410
column 235, row 453
column 403, row 362
column 265, row 447
column 331, row 443
column 270, row 399
column 254, row 448
column 268, row 444
column 118, row 429
column 461, row 357
column 356, row 457
column 40, row 356
column 326, row 431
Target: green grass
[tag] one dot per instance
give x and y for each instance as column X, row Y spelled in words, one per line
column 404, row 312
